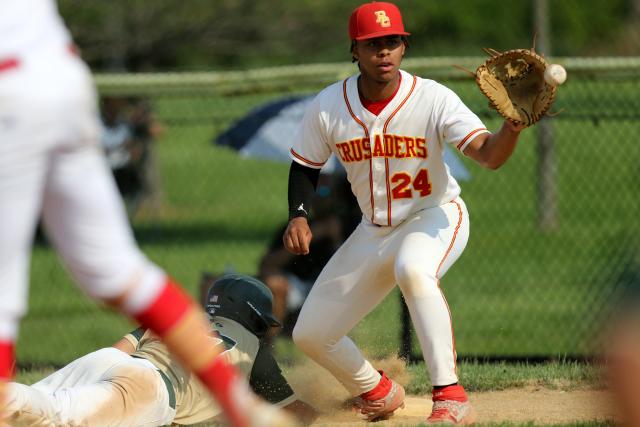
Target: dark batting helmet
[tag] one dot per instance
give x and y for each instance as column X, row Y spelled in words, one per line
column 244, row 299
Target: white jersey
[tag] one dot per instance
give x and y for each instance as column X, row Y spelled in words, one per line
column 394, row 161
column 29, row 26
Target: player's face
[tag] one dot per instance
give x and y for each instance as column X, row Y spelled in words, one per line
column 380, row 58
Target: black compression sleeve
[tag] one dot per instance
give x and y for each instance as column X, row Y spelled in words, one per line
column 302, row 186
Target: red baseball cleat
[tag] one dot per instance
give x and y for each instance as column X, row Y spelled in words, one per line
column 451, row 406
column 381, row 402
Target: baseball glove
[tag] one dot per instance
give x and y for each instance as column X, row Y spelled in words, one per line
column 514, row 83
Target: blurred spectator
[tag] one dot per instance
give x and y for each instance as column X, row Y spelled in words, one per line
column 129, row 131
column 290, row 277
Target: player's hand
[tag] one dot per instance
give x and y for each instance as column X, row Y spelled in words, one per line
column 297, row 236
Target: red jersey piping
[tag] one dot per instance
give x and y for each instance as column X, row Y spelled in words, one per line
column 302, row 159
column 386, row 161
column 366, row 134
column 473, row 132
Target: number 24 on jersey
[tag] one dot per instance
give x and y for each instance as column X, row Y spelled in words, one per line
column 405, row 184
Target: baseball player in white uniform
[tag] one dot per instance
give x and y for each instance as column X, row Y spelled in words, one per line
column 388, row 128
column 137, row 382
column 52, row 165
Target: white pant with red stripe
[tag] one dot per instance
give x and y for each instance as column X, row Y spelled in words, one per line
column 414, row 255
column 52, row 165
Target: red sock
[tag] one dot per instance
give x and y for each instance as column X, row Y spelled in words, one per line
column 167, row 309
column 380, row 391
column 452, row 392
column 7, row 360
column 231, row 393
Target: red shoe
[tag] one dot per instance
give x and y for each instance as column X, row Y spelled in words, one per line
column 381, row 402
column 451, row 406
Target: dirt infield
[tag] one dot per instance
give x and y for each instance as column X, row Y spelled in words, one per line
column 540, row 406
column 534, row 404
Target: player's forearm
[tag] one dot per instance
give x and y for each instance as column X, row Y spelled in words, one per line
column 499, row 146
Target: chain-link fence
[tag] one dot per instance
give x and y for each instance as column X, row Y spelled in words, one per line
column 551, row 231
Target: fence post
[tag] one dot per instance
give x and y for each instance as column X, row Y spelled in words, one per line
column 547, row 209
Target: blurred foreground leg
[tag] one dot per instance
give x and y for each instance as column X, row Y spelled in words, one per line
column 623, row 368
column 89, row 229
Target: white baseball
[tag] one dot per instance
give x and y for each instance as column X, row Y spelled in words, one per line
column 555, row 74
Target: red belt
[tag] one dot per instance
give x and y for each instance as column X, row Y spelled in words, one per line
column 8, row 64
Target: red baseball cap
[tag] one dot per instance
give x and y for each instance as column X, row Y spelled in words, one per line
column 376, row 19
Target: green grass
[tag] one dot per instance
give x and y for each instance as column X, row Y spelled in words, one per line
column 479, row 377
column 517, row 290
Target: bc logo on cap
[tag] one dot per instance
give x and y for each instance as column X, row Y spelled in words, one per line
column 382, row 18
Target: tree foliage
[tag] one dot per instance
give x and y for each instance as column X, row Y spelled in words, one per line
column 231, row 34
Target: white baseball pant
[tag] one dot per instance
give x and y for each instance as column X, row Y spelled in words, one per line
column 51, row 165
column 104, row 388
column 415, row 255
